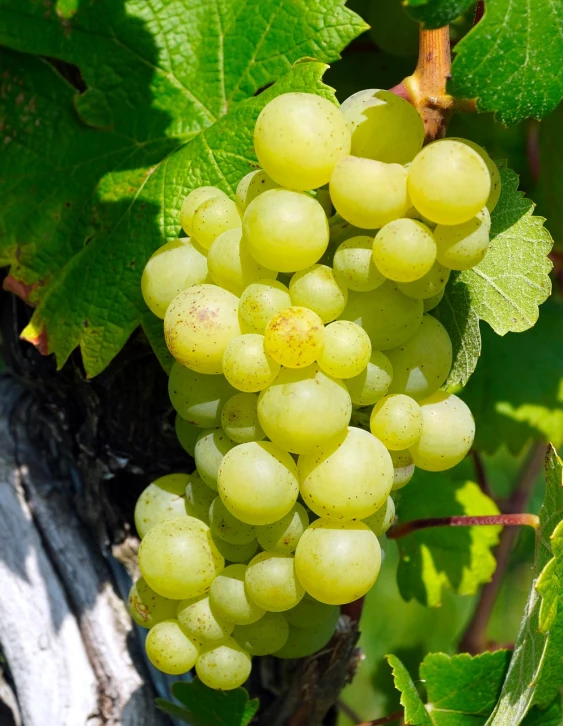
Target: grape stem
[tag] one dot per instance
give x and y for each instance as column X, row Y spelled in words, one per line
column 506, row 520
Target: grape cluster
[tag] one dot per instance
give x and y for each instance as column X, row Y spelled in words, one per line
column 283, row 338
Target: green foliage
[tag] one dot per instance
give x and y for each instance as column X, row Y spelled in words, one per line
column 436, row 13
column 203, row 706
column 415, row 713
column 550, row 182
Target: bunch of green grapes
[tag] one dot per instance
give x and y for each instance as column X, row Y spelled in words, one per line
column 304, row 405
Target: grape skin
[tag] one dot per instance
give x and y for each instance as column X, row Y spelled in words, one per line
column 347, row 349
column 295, row 337
column 198, row 498
column 225, row 666
column 282, row 536
column 250, row 186
column 210, row 448
column 317, row 289
column 260, row 302
column 147, row 607
column 239, row 419
column 223, row 524
column 264, row 637
column 403, row 468
column 373, row 382
column 200, row 623
column 380, row 521
column 354, row 265
column 396, row 420
column 169, row 649
column 404, row 250
column 231, row 266
column 162, row 499
column 186, row 433
column 194, row 200
column 230, row 599
column 198, row 398
column 212, row 218
column 247, row 363
column 272, row 583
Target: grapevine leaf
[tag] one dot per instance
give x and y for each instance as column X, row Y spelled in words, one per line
column 505, row 411
column 549, row 189
column 552, row 715
column 458, row 558
column 506, row 288
column 415, row 712
column 511, row 60
column 531, row 650
column 208, row 707
column 436, row 13
column 168, row 106
column 549, row 584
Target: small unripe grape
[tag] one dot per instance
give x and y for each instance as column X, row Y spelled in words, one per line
column 354, row 265
column 346, row 351
column 427, row 286
column 147, row 607
column 200, row 623
column 224, row 667
column 227, row 526
column 463, row 246
column 230, row 599
column 396, row 420
column 169, row 649
column 237, row 554
column 317, row 289
column 295, row 337
column 212, row 218
column 195, row 199
column 231, row 266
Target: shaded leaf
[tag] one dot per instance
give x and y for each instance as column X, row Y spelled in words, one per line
column 207, row 707
column 415, row 712
column 436, row 13
column 549, row 190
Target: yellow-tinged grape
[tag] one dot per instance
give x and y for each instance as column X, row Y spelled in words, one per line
column 228, row 527
column 396, row 420
column 317, row 288
column 162, row 499
column 302, row 642
column 404, row 250
column 388, row 317
column 258, row 482
column 346, row 480
column 231, row 265
column 310, row 612
column 373, row 382
column 282, row 536
column 354, row 266
column 236, row 553
column 174, row 267
column 147, row 607
column 493, row 171
column 422, row 364
column 250, row 186
column 403, row 468
column 337, row 562
column 368, row 193
column 224, row 667
column 383, row 125
column 304, row 408
column 210, row 448
column 212, row 218
column 298, row 139
column 427, row 286
column 448, row 182
column 230, row 599
column 347, row 349
column 286, row 231
column 200, row 622
column 200, row 322
column 239, row 419
column 272, row 583
column 447, row 432
column 260, row 302
column 178, row 558
column 248, row 364
column 193, row 201
column 462, row 246
column 198, row 398
column 186, row 433
column 198, row 498
column 380, row 521
column 264, row 637
column 431, row 302
column 169, row 649
column 295, row 337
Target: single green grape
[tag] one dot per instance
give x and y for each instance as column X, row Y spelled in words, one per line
column 247, row 363
column 162, row 499
column 211, row 446
column 224, row 667
column 231, row 265
column 493, row 171
column 260, row 302
column 230, row 599
column 282, row 536
column 147, row 607
column 354, row 266
column 462, row 246
column 198, row 398
column 200, row 623
column 263, row 637
column 226, row 526
column 212, row 218
column 396, row 421
column 295, row 337
column 347, row 349
column 169, row 649
column 427, row 286
column 250, row 186
column 198, row 497
column 310, row 612
column 403, row 468
column 373, row 382
column 272, row 583
column 404, row 250
column 195, row 199
column 317, row 289
column 239, row 419
column 236, row 554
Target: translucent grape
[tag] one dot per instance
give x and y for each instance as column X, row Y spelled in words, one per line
column 373, row 382
column 447, row 433
column 310, row 612
column 354, row 266
column 212, row 218
column 201, row 623
column 317, row 288
column 295, row 337
column 198, row 398
column 388, row 317
column 282, row 536
column 403, row 468
column 462, row 246
column 248, row 365
column 198, row 498
column 448, row 182
column 266, row 636
column 346, row 480
column 304, row 408
column 187, row 434
column 302, row 642
column 250, row 186
column 162, row 499
column 493, row 171
column 147, row 607
column 231, row 265
column 169, row 649
column 272, row 583
column 236, row 553
column 298, row 139
column 337, row 562
column 396, row 420
column 404, row 250
column 285, row 231
column 427, row 286
column 260, row 302
column 347, row 349
column 178, row 558
column 422, row 364
column 200, row 322
column 384, row 126
column 225, row 667
column 210, row 448
column 230, row 600
column 239, row 419
column 368, row 193
column 258, row 482
column 193, row 201
column 228, row 527
column 174, row 267
column 380, row 521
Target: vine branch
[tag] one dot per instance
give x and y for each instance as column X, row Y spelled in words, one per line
column 506, row 520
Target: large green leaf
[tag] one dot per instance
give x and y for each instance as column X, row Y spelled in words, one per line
column 511, row 60
column 203, row 706
column 436, row 13
column 105, row 171
column 415, row 712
